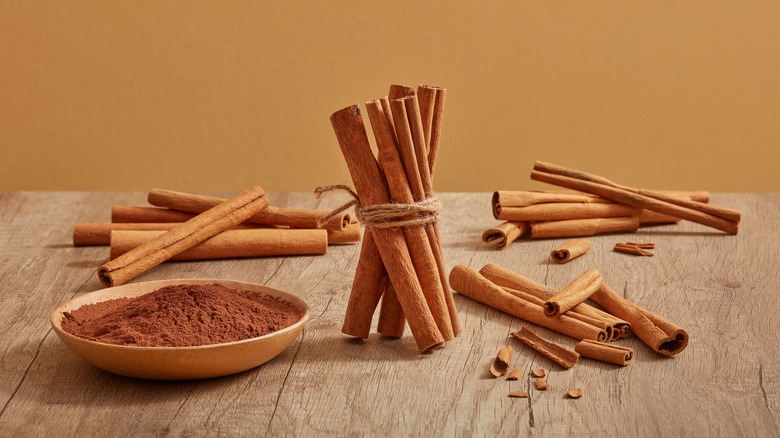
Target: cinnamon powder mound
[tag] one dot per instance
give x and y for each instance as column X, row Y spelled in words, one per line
column 182, row 315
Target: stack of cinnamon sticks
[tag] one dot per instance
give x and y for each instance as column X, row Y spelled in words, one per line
column 566, row 311
column 267, row 231
column 598, row 206
column 401, row 260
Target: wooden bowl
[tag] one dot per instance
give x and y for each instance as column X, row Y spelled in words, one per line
column 178, row 363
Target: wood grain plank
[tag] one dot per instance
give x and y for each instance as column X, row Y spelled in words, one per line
column 720, row 288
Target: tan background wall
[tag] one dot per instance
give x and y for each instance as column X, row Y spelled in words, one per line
column 217, row 96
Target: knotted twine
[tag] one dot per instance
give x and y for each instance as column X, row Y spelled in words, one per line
column 383, row 215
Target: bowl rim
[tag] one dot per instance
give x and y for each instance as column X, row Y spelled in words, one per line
column 55, row 317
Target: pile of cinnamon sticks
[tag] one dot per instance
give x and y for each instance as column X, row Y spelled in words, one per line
column 566, row 311
column 401, row 260
column 598, row 206
column 263, row 231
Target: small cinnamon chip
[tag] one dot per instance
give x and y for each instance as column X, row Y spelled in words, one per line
column 518, row 394
column 514, row 374
column 501, row 364
column 541, row 384
column 558, row 354
column 574, row 393
column 631, row 249
column 538, row 373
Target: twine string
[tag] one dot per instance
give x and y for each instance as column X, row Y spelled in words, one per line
column 383, row 215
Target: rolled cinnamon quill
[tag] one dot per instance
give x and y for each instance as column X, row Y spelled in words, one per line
column 473, row 285
column 507, row 278
column 570, row 251
column 259, row 242
column 583, row 227
column 566, row 211
column 505, row 233
column 140, row 215
column 294, row 218
column 574, row 293
column 557, row 353
column 663, row 336
column 716, row 217
column 207, row 224
column 604, row 352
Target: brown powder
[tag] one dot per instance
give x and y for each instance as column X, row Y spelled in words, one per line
column 182, row 315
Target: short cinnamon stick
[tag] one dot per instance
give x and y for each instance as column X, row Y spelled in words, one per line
column 574, row 293
column 605, row 352
column 258, row 242
column 570, row 251
column 501, row 363
column 557, row 353
column 207, row 224
column 505, row 233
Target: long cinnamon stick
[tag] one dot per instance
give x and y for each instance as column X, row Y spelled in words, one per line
column 391, row 243
column 294, row 218
column 207, row 224
column 473, row 285
column 557, row 353
column 141, row 215
column 368, row 284
column 392, row 321
column 566, row 211
column 719, row 218
column 583, row 227
column 663, row 336
column 258, row 242
column 505, row 233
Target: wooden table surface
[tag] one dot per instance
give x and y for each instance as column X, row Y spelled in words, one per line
column 721, row 288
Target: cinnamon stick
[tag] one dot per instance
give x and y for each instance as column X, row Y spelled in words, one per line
column 507, row 278
column 583, row 227
column 631, row 249
column 350, row 234
column 369, row 282
column 473, row 285
column 294, row 218
column 140, row 215
column 391, row 316
column 557, row 353
column 391, row 243
column 716, row 217
column 505, row 233
column 570, row 251
column 258, row 242
column 605, row 352
column 207, row 224
column 574, row 293
column 663, row 336
column 566, row 211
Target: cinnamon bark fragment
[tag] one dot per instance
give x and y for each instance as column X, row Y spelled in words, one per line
column 541, row 384
column 558, row 354
column 574, row 393
column 518, row 394
column 538, row 372
column 631, row 249
column 501, row 363
column 570, row 250
column 514, row 374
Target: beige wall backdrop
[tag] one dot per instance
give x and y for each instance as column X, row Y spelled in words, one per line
column 220, row 95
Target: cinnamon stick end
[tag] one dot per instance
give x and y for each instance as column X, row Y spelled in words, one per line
column 105, row 277
column 560, row 256
column 551, row 308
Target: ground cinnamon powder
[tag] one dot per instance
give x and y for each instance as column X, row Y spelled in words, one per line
column 181, row 315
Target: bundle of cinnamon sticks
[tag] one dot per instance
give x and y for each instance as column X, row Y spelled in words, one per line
column 597, row 206
column 566, row 311
column 263, row 230
column 401, row 260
